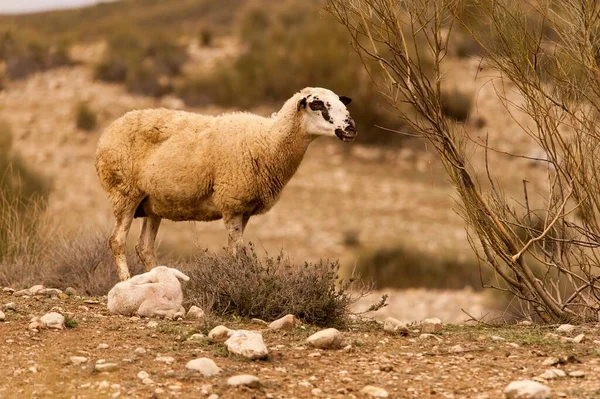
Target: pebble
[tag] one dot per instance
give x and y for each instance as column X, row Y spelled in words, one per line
column 552, row 374
column 431, row 326
column 106, row 367
column 103, row 385
column 565, row 328
column 287, row 322
column 213, row 396
column 429, row 336
column 195, row 313
column 316, row 392
column 497, row 338
column 147, row 381
column 196, row 337
column 395, row 326
column 143, row 375
column 244, row 379
column 577, row 374
column 53, row 320
column 2, row 316
column 70, row 291
column 219, row 334
column 78, row 359
column 579, row 339
column 374, row 392
column 526, row 389
column 152, row 324
column 35, row 289
column 102, row 346
column 551, row 361
column 24, row 292
column 8, row 290
column 329, row 338
column 10, row 306
column 207, row 367
column 249, row 344
column 456, row 349
column 140, row 351
column 165, row 359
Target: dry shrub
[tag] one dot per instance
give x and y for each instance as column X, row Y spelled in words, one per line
column 85, row 117
column 248, row 286
column 457, row 104
column 84, row 261
column 404, row 267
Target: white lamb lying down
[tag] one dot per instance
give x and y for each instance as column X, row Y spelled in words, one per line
column 155, row 293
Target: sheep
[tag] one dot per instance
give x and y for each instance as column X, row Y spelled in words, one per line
column 154, row 293
column 165, row 164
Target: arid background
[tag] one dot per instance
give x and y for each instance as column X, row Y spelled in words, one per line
column 382, row 205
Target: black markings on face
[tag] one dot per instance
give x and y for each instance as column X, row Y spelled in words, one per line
column 318, row 105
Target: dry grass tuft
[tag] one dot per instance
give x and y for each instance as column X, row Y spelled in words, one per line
column 248, row 286
column 85, row 117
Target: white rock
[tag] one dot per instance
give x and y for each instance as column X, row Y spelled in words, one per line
column 431, row 326
column 49, row 291
column 497, row 338
column 165, row 359
column 577, row 374
column 526, row 389
column 8, row 290
column 219, row 334
column 565, row 328
column 196, row 337
column 140, row 351
column 78, row 359
column 429, row 336
column 395, row 326
column 147, row 381
column 106, row 367
column 456, row 349
column 329, row 338
column 143, row 375
column 552, row 374
column 10, row 306
column 102, row 346
column 244, row 379
column 195, row 313
column 152, row 324
column 249, row 344
column 287, row 322
column 207, row 367
column 579, row 339
column 104, row 385
column 24, row 292
column 316, row 392
column 551, row 361
column 53, row 320
column 2, row 316
column 36, row 288
column 374, row 392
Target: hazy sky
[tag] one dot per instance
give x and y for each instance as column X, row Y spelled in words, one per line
column 23, row 6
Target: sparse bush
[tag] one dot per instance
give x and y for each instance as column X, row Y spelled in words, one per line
column 84, row 261
column 457, row 104
column 206, row 37
column 86, row 118
column 248, row 286
column 146, row 64
column 403, row 267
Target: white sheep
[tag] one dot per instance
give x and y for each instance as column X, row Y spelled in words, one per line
column 154, row 293
column 160, row 163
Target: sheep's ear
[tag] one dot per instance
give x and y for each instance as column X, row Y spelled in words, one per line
column 302, row 103
column 345, row 100
column 179, row 274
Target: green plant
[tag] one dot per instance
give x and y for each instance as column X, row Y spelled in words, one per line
column 70, row 322
column 249, row 286
column 85, row 118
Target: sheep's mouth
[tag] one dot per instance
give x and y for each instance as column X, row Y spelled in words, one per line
column 346, row 135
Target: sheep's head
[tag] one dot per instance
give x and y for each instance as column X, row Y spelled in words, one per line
column 325, row 114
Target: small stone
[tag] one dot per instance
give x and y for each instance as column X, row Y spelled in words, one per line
column 139, row 351
column 24, row 292
column 525, row 323
column 429, row 336
column 106, row 367
column 552, row 374
column 287, row 322
column 579, row 339
column 102, row 346
column 577, row 374
column 374, row 392
column 147, row 381
column 152, row 324
column 159, row 391
column 316, row 392
column 249, row 344
column 305, row 384
column 78, row 359
column 395, row 326
column 329, row 338
column 456, row 349
column 314, row 354
column 207, row 367
column 431, row 326
column 53, row 320
column 175, row 388
column 35, row 289
column 497, row 338
column 213, row 396
column 70, row 291
column 565, row 328
column 104, row 386
column 551, row 361
column 142, row 375
column 49, row 292
column 10, row 306
column 165, row 359
column 34, row 325
column 219, row 334
column 244, row 379
column 526, row 389
column 195, row 313
column 8, row 290
column 196, row 337
column 2, row 316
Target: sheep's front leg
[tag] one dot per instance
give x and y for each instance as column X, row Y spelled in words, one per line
column 145, row 247
column 235, row 229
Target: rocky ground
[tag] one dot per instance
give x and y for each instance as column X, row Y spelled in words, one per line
column 100, row 355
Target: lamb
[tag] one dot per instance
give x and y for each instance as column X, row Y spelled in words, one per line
column 154, row 293
column 182, row 166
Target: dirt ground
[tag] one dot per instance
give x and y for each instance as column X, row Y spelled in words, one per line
column 459, row 362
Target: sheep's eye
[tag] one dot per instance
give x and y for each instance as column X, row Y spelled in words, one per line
column 317, row 105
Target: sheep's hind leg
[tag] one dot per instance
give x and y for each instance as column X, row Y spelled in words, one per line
column 118, row 238
column 145, row 247
column 235, row 228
